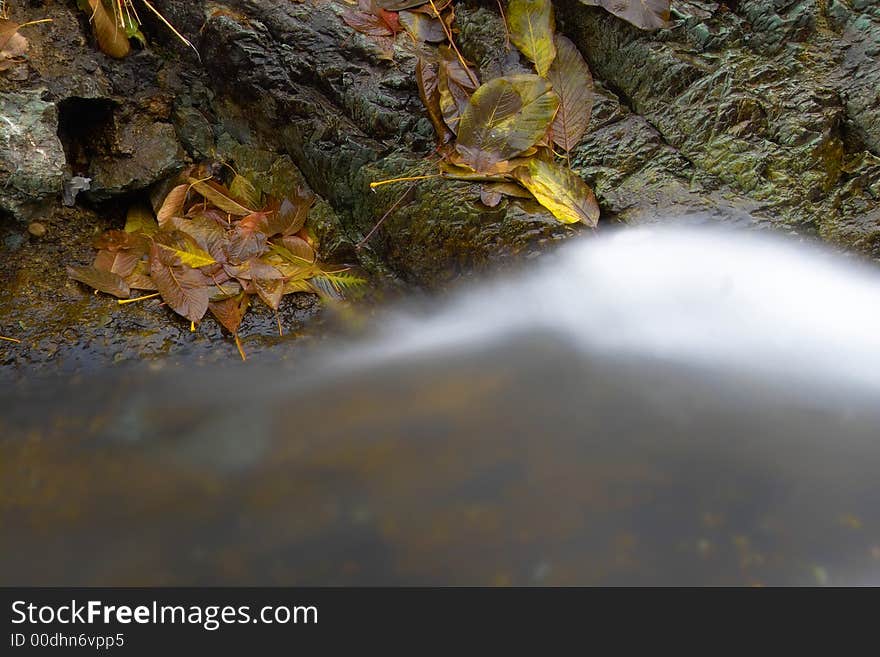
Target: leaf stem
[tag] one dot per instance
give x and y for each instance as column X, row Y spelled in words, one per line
column 15, row 340
column 122, row 302
column 379, row 183
column 387, row 214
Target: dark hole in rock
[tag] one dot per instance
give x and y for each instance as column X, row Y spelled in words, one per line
column 86, row 128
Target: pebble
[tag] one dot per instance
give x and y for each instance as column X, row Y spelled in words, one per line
column 37, row 229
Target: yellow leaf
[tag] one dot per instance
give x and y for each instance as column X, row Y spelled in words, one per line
column 531, row 27
column 220, row 197
column 190, row 255
column 561, row 191
column 140, row 218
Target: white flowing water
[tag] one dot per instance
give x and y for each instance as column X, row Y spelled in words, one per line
column 743, row 302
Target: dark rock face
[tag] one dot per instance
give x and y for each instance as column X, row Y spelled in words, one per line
column 776, row 101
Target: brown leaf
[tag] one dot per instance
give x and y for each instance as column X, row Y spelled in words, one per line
column 119, row 262
column 111, row 37
column 429, row 92
column 173, row 204
column 254, row 269
column 229, row 312
column 244, row 244
column 455, row 85
column 572, row 82
column 291, row 215
column 184, row 289
column 206, row 232
column 299, row 248
column 103, row 281
column 364, row 20
column 270, row 291
column 644, row 14
column 140, row 279
column 422, row 28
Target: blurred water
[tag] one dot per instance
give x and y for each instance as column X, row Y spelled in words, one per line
column 658, row 406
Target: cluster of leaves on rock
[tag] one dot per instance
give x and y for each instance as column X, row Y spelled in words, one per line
column 210, row 247
column 505, row 132
column 116, row 22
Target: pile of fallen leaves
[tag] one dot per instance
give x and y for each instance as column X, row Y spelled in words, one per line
column 213, row 248
column 513, row 133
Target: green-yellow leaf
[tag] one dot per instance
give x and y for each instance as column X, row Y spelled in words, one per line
column 179, row 247
column 220, row 197
column 242, row 190
column 531, row 28
column 572, row 82
column 504, row 117
column 561, row 191
column 140, row 219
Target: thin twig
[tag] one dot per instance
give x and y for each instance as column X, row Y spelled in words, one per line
column 448, row 34
column 385, row 216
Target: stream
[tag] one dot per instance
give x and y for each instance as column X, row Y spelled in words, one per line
column 652, row 406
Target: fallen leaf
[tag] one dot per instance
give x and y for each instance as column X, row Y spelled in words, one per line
column 119, row 262
column 242, row 190
column 644, row 14
column 209, row 236
column 111, row 38
column 505, row 117
column 561, row 191
column 455, row 85
column 184, row 247
column 429, row 92
column 219, row 196
column 572, row 82
column 140, row 219
column 422, row 28
column 103, row 281
column 184, row 289
column 173, row 204
column 531, row 27
column 230, row 312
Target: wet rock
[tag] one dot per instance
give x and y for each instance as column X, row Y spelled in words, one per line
column 144, row 152
column 773, row 100
column 194, row 131
column 31, row 158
